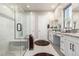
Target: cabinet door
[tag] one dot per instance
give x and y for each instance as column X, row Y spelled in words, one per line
column 62, row 45
column 76, row 46
column 69, row 48
column 73, row 49
column 73, row 45
column 77, row 49
column 65, row 45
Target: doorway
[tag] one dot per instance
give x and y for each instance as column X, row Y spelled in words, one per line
column 42, row 26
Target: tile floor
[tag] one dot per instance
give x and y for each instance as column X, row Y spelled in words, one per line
column 38, row 49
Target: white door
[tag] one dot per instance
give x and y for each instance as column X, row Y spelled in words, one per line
column 42, row 26
column 29, row 24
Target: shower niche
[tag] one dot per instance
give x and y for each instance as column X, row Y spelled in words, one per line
column 19, row 27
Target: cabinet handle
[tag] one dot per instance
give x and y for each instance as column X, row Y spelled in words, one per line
column 70, row 46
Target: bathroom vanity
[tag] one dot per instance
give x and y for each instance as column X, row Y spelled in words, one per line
column 68, row 42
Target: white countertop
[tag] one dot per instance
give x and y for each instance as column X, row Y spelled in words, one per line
column 68, row 34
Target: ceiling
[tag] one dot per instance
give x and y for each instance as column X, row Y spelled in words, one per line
column 40, row 6
column 75, row 7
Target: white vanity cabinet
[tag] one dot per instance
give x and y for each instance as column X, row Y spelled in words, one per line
column 70, row 48
column 63, row 45
column 77, row 49
column 77, row 46
column 69, row 45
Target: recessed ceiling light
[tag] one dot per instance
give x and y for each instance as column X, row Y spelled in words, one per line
column 28, row 6
column 52, row 6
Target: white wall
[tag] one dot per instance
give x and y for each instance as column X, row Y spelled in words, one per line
column 30, row 21
column 44, row 18
column 58, row 14
column 19, row 19
column 38, row 23
column 6, row 28
column 27, row 20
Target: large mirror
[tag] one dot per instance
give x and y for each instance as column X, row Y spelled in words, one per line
column 68, row 16
column 75, row 16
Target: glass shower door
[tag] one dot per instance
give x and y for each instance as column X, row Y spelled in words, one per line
column 12, row 38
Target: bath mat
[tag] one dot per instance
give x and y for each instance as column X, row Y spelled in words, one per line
column 42, row 43
column 43, row 54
